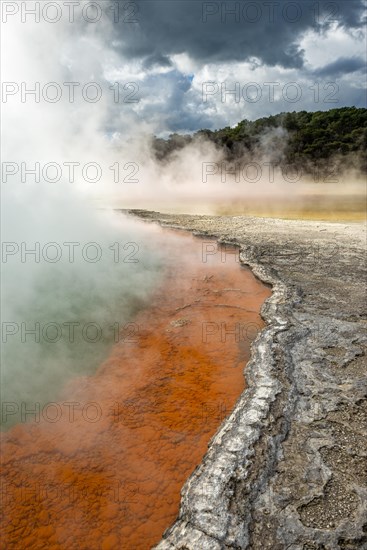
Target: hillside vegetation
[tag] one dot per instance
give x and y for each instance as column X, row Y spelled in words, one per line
column 306, row 140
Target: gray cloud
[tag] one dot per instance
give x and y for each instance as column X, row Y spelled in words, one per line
column 343, row 65
column 157, row 60
column 231, row 31
column 267, row 37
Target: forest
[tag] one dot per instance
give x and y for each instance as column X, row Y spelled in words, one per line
column 301, row 139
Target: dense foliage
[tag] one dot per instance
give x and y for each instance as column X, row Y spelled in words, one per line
column 302, row 139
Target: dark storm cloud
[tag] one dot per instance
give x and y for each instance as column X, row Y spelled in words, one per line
column 342, row 66
column 217, row 31
column 156, row 60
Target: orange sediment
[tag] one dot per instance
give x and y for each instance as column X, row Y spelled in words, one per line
column 103, row 467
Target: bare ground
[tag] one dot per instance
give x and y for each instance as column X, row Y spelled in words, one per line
column 288, row 468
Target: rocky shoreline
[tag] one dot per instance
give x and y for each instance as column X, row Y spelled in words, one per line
column 287, row 469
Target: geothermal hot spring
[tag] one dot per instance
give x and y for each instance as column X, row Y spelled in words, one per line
column 99, row 438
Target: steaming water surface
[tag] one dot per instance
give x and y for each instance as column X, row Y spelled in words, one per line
column 103, row 467
column 60, row 318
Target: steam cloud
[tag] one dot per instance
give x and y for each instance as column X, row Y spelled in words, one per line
column 100, row 286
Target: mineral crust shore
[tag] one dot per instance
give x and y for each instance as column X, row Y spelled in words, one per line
column 288, row 468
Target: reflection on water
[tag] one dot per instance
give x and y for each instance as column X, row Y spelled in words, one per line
column 318, row 206
column 103, row 467
column 341, row 201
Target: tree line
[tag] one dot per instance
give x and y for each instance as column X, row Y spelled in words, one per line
column 300, row 139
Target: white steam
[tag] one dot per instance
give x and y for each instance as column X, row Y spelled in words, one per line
column 65, row 303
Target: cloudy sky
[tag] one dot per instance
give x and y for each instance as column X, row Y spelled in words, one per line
column 202, row 64
column 183, row 65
